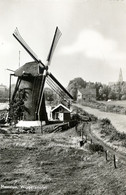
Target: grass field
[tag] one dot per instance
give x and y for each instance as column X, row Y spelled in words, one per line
column 54, row 164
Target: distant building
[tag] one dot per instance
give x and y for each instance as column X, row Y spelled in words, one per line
column 86, row 94
column 120, row 79
column 79, row 95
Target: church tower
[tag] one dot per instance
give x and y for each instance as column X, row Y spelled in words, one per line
column 120, row 80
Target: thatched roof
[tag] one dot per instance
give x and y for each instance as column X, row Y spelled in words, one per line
column 28, row 68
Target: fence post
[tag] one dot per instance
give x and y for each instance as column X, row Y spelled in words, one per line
column 86, row 138
column 106, row 155
column 76, row 127
column 82, row 134
column 114, row 158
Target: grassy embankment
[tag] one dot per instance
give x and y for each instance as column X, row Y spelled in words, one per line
column 112, row 106
column 55, row 164
column 106, row 131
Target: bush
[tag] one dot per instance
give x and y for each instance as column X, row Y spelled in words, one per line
column 96, row 148
column 106, row 121
column 118, row 136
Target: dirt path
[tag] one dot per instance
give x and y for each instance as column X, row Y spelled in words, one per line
column 90, row 133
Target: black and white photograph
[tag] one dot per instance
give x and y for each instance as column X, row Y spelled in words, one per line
column 62, row 97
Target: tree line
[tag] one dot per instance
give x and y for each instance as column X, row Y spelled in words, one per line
column 115, row 91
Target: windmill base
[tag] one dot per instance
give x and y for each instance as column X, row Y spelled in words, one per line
column 30, row 123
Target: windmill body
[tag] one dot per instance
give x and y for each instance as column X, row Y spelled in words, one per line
column 31, row 79
column 31, row 82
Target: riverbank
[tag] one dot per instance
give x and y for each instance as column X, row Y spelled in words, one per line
column 117, row 143
column 103, row 132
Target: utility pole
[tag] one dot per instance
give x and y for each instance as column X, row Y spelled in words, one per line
column 19, row 57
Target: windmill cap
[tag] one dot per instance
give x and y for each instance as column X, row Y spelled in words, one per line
column 30, row 68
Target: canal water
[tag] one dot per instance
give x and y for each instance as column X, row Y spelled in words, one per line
column 117, row 120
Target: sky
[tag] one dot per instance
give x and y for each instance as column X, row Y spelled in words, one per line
column 92, row 45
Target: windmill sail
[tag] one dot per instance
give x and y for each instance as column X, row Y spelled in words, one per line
column 17, row 35
column 55, row 87
column 56, row 37
column 60, row 86
column 16, row 88
column 38, row 100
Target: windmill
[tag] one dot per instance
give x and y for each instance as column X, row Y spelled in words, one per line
column 32, row 77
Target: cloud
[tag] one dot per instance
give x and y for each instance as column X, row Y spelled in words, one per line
column 5, row 46
column 94, row 45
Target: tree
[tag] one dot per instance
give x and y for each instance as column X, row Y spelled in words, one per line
column 74, row 85
column 104, row 91
column 17, row 106
column 97, row 86
column 112, row 95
